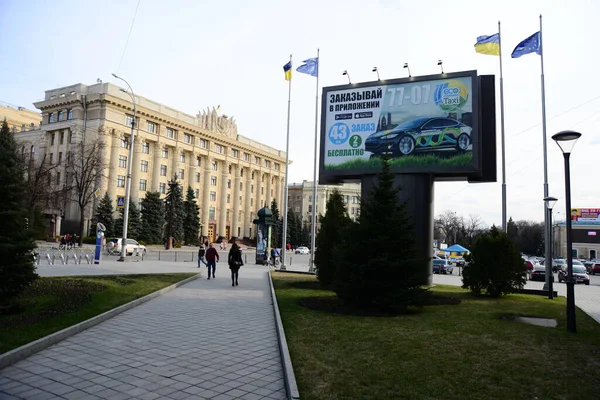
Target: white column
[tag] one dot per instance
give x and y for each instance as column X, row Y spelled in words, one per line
column 236, row 201
column 206, row 196
column 247, row 207
column 191, row 178
column 174, row 162
column 111, row 187
column 269, row 196
column 156, row 166
column 222, row 228
column 135, row 171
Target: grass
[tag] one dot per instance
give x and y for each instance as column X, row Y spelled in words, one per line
column 464, row 160
column 52, row 304
column 464, row 351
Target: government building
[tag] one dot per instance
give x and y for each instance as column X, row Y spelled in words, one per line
column 232, row 175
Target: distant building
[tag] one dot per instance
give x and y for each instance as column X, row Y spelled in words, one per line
column 300, row 199
column 586, row 240
column 19, row 119
column 232, row 176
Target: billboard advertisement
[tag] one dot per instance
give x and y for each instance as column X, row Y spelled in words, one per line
column 426, row 124
column 585, row 216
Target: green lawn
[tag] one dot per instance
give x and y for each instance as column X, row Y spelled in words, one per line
column 464, row 351
column 52, row 304
column 415, row 161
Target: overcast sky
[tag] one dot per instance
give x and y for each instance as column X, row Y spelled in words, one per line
column 194, row 54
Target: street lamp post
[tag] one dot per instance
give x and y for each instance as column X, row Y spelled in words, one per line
column 550, row 202
column 566, row 141
column 129, row 166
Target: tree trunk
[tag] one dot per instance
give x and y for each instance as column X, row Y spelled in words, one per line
column 81, row 225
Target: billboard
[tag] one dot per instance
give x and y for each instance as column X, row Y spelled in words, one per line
column 585, row 216
column 428, row 124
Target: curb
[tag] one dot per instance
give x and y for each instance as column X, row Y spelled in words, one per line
column 28, row 349
column 288, row 370
column 291, row 271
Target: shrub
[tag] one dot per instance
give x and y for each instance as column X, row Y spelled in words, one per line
column 177, row 245
column 89, row 240
column 495, row 265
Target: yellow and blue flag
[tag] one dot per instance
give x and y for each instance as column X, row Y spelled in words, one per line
column 287, row 69
column 533, row 44
column 488, row 44
column 310, row 67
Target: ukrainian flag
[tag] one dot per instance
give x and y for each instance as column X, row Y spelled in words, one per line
column 488, row 45
column 287, row 69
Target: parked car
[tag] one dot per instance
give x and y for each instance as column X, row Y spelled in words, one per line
column 529, row 264
column 302, row 250
column 579, row 275
column 423, row 134
column 558, row 264
column 538, row 273
column 113, row 247
column 594, row 268
column 442, row 267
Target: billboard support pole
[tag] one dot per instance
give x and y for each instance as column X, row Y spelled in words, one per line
column 547, row 227
column 504, row 225
column 285, row 187
column 313, row 228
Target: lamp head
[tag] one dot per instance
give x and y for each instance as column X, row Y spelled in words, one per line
column 405, row 65
column 123, row 90
column 550, row 202
column 374, row 69
column 440, row 62
column 566, row 140
column 115, row 75
column 345, row 72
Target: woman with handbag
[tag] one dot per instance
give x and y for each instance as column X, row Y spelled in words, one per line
column 235, row 262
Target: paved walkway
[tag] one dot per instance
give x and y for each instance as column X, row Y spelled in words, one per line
column 203, row 340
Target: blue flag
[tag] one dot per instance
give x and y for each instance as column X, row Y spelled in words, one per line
column 310, row 67
column 533, row 44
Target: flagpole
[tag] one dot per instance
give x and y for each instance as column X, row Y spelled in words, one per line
column 287, row 164
column 548, row 232
column 504, row 226
column 313, row 229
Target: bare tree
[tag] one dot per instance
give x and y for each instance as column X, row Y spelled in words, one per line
column 85, row 170
column 450, row 226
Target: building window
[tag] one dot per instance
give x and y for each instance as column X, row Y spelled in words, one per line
column 62, row 137
column 187, row 138
column 70, row 136
column 170, row 133
column 229, row 198
column 143, row 183
column 256, row 160
column 251, row 202
column 180, row 174
column 267, row 163
column 214, row 166
column 196, row 193
column 182, row 157
column 59, row 157
column 235, row 153
column 151, row 127
column 129, row 120
column 124, row 143
column 51, row 118
column 203, row 143
column 197, row 179
column 146, row 148
column 228, row 183
column 218, row 148
column 52, row 139
column 51, row 157
column 144, row 166
column 165, row 152
column 227, row 215
column 211, row 213
column 213, row 196
column 162, row 188
column 69, row 114
column 310, row 208
column 276, row 167
column 246, row 157
column 198, row 161
column 251, row 188
column 241, row 186
column 121, row 181
column 61, row 116
column 213, row 181
column 58, row 178
column 262, row 190
column 163, row 170
column 297, row 209
column 240, row 200
column 122, row 162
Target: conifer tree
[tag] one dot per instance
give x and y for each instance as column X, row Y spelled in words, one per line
column 174, row 211
column 377, row 265
column 133, row 225
column 191, row 223
column 153, row 218
column 277, row 227
column 104, row 214
column 17, row 269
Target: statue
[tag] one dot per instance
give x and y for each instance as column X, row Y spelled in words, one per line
column 212, row 121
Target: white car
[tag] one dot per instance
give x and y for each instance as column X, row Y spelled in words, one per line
column 302, row 250
column 113, row 247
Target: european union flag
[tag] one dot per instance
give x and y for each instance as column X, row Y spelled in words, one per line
column 310, row 67
column 533, row 44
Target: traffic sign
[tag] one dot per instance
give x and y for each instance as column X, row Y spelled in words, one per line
column 120, row 201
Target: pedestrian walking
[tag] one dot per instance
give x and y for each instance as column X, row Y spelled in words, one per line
column 201, row 253
column 235, row 262
column 212, row 256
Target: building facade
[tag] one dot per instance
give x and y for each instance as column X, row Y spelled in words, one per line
column 232, row 175
column 300, row 199
column 585, row 238
column 19, row 119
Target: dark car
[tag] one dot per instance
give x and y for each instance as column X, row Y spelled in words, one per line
column 579, row 275
column 538, row 273
column 442, row 267
column 424, row 134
